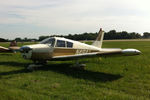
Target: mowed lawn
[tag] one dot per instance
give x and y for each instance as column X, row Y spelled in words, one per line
column 114, row 78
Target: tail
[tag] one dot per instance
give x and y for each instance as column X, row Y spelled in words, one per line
column 13, row 44
column 99, row 40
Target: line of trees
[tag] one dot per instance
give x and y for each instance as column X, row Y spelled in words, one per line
column 111, row 35
column 3, row 40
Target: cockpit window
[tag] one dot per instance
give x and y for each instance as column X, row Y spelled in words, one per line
column 50, row 41
column 60, row 43
column 69, row 44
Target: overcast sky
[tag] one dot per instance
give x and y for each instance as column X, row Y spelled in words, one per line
column 33, row 18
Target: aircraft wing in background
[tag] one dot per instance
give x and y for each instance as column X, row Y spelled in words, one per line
column 14, row 49
column 3, row 49
column 9, row 50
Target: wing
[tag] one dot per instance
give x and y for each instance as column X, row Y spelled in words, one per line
column 86, row 55
column 3, row 49
column 9, row 50
column 14, row 48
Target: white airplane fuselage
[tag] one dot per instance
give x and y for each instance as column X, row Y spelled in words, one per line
column 66, row 47
column 46, row 51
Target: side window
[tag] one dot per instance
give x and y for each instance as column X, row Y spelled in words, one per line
column 69, row 45
column 60, row 43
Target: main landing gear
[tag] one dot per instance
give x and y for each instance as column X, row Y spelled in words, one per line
column 77, row 65
column 38, row 64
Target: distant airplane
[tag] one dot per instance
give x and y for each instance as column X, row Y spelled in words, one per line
column 12, row 48
column 60, row 49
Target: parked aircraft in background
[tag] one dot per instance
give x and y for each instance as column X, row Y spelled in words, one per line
column 57, row 48
column 12, row 48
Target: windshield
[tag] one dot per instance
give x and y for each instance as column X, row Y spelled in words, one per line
column 50, row 41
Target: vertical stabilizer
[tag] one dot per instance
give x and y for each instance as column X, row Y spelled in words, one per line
column 99, row 40
column 13, row 44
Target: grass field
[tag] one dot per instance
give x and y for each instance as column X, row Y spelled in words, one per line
column 119, row 78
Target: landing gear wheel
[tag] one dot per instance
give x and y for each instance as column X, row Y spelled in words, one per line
column 43, row 62
column 82, row 66
column 79, row 66
column 32, row 67
column 36, row 64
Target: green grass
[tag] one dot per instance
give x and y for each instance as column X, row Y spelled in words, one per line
column 114, row 78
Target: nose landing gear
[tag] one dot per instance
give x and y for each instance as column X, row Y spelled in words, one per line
column 36, row 64
column 43, row 62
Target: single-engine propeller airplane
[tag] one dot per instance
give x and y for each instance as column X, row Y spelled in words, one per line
column 57, row 48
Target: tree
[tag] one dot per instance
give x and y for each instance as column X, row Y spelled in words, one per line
column 43, row 37
column 108, row 36
column 18, row 39
column 3, row 40
column 146, row 35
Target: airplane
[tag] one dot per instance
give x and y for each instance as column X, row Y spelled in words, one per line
column 61, row 49
column 11, row 49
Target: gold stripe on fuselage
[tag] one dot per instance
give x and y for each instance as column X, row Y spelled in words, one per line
column 60, row 52
column 64, row 51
